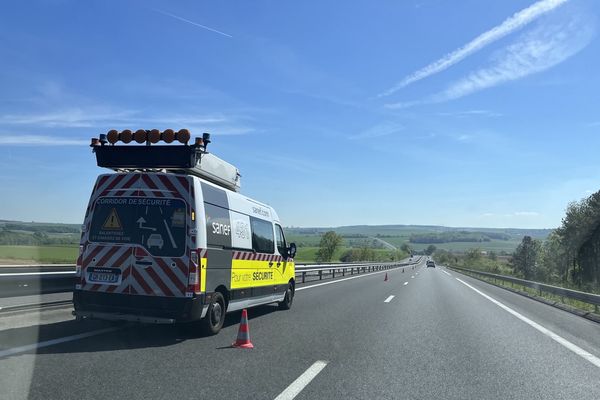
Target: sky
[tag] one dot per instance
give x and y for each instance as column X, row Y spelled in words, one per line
column 462, row 113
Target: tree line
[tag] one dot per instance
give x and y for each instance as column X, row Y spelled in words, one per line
column 569, row 256
column 331, row 241
column 571, row 253
column 458, row 236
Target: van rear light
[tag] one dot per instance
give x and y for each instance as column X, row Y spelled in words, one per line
column 79, row 261
column 78, row 277
column 194, row 274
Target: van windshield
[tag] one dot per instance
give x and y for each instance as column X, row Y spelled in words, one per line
column 156, row 224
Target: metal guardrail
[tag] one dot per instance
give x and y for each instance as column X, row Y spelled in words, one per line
column 303, row 271
column 585, row 297
column 14, row 284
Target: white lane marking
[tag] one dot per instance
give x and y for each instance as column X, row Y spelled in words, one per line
column 34, row 346
column 559, row 339
column 412, row 277
column 447, row 273
column 416, row 273
column 302, row 381
column 389, row 299
column 405, row 283
column 339, row 280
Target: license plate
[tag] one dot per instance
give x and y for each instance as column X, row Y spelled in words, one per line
column 107, row 276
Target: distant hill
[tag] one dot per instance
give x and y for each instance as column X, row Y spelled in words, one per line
column 418, row 237
column 407, row 230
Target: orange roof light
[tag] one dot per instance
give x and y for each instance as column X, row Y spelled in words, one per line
column 168, row 136
column 126, row 136
column 183, row 136
column 154, row 136
column 199, row 142
column 113, row 136
column 140, row 136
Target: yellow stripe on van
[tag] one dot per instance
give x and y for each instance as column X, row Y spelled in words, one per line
column 255, row 273
column 203, row 262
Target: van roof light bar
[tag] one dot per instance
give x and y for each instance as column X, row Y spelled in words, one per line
column 192, row 159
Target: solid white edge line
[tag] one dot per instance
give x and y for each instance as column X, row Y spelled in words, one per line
column 405, row 283
column 447, row 273
column 557, row 338
column 302, row 381
column 389, row 299
column 34, row 346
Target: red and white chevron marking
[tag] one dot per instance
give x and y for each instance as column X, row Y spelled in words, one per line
column 249, row 255
column 166, row 276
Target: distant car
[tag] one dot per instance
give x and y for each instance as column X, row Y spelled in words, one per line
column 430, row 263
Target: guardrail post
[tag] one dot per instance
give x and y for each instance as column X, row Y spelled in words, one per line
column 320, row 274
column 303, row 276
column 351, row 270
column 343, row 271
column 333, row 273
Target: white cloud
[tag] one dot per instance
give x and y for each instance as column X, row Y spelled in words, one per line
column 91, row 117
column 467, row 113
column 103, row 118
column 40, row 140
column 513, row 214
column 537, row 51
column 67, row 118
column 526, row 214
column 533, row 52
column 383, row 129
column 511, row 24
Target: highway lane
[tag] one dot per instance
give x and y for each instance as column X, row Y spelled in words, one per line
column 435, row 337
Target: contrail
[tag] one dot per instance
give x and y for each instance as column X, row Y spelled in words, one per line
column 511, row 24
column 192, row 22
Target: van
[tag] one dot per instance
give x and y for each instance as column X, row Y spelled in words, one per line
column 174, row 244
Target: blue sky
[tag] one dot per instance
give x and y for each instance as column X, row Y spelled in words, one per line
column 454, row 113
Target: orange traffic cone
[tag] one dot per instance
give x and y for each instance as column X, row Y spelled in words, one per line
column 243, row 337
column 385, row 279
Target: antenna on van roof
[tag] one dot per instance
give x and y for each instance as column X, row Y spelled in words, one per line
column 206, row 139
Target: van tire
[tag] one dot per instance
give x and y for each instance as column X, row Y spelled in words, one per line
column 212, row 323
column 286, row 304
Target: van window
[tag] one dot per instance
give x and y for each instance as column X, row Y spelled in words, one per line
column 280, row 239
column 262, row 236
column 158, row 224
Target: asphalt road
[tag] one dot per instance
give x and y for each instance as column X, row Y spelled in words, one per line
column 423, row 334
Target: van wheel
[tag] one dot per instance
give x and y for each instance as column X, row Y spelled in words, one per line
column 215, row 316
column 286, row 304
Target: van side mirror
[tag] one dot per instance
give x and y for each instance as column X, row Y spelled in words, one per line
column 291, row 250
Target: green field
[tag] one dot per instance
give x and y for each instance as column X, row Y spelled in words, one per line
column 309, row 254
column 38, row 254
column 31, row 242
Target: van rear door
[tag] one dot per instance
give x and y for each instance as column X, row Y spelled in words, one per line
column 149, row 223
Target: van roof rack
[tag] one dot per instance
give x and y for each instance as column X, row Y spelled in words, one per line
column 191, row 159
